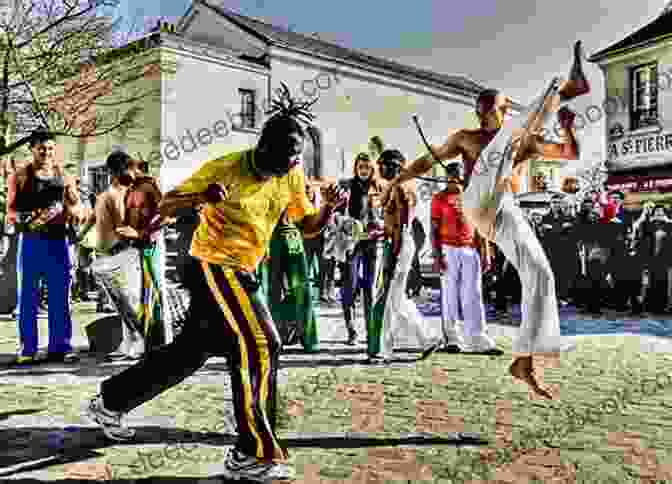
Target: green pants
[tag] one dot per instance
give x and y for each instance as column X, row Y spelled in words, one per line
column 151, row 312
column 383, row 277
column 313, row 250
column 289, row 270
column 264, row 278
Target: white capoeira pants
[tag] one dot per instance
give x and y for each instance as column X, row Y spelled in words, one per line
column 462, row 300
column 540, row 326
column 120, row 276
column 401, row 315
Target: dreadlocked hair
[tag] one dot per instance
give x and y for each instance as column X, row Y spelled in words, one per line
column 286, row 115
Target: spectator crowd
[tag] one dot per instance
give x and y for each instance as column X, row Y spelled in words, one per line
column 602, row 255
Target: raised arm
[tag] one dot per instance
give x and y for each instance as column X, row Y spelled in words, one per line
column 450, row 149
column 315, row 220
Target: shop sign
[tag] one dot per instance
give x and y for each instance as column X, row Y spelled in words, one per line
column 643, row 185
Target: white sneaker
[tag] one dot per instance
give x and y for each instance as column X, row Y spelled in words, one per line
column 137, row 348
column 240, row 466
column 452, row 337
column 478, row 344
column 109, row 420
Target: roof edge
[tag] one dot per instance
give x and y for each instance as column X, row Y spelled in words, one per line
column 454, row 86
column 234, row 21
column 414, row 73
column 604, row 54
column 431, row 83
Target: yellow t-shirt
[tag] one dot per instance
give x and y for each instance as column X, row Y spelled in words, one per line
column 236, row 232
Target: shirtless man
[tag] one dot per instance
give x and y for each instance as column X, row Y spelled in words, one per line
column 142, row 226
column 502, row 221
column 117, row 266
column 394, row 307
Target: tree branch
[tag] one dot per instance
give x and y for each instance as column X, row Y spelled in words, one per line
column 60, row 21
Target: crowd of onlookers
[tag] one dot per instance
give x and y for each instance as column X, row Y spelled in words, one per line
column 602, row 255
column 619, row 260
column 60, row 245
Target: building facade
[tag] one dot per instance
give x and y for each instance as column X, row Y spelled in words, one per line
column 216, row 71
column 638, row 112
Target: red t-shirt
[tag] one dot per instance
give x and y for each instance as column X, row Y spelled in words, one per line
column 453, row 228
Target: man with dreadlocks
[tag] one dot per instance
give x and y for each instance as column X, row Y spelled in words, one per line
column 492, row 155
column 244, row 195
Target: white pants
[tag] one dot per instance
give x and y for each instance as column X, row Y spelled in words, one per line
column 540, row 327
column 462, row 300
column 401, row 315
column 120, row 276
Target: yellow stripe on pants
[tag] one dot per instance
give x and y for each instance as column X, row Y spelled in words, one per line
column 244, row 363
column 260, row 338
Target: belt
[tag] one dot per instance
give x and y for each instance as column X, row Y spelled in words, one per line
column 450, row 244
column 128, row 244
column 119, row 247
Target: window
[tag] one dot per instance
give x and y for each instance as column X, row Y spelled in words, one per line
column 247, row 108
column 644, row 96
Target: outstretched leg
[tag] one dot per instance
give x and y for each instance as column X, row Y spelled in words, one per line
column 577, row 83
column 540, row 326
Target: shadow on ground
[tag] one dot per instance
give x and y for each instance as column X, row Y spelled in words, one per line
column 81, row 443
column 93, row 365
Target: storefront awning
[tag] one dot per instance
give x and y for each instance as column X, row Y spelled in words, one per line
column 631, row 182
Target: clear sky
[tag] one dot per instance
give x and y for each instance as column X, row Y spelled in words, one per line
column 514, row 45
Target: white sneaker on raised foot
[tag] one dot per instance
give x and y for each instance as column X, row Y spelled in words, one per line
column 109, row 420
column 240, row 466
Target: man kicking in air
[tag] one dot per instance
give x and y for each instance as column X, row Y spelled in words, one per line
column 244, row 193
column 492, row 154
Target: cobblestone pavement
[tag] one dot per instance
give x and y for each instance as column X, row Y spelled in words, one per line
column 344, row 421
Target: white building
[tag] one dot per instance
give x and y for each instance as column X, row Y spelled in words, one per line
column 638, row 112
column 226, row 61
column 219, row 68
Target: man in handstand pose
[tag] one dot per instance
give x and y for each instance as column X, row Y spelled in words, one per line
column 244, row 193
column 491, row 155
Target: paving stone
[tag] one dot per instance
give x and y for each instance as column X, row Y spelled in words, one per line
column 37, row 403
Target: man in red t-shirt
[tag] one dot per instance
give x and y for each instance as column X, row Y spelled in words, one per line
column 459, row 255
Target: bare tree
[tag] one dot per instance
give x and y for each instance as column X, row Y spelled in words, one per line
column 66, row 66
